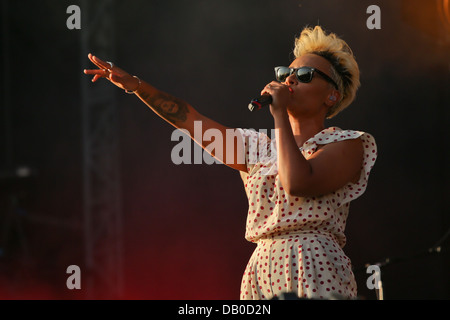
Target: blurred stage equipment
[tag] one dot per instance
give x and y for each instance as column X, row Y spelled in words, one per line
column 437, row 248
column 101, row 183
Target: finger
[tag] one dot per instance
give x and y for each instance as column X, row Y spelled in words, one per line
column 91, row 57
column 267, row 89
column 98, row 74
column 281, row 86
column 98, row 62
column 274, row 85
column 101, row 63
column 101, row 72
column 96, row 77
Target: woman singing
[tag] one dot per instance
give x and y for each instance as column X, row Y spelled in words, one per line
column 298, row 192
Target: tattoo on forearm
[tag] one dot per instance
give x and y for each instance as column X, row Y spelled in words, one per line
column 170, row 108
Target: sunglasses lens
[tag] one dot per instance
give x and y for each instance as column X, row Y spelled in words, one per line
column 304, row 75
column 282, row 73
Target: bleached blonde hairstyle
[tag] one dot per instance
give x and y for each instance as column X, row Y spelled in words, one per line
column 344, row 69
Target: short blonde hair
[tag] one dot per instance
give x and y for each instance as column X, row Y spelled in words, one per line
column 344, row 69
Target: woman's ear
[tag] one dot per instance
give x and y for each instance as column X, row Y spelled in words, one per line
column 333, row 98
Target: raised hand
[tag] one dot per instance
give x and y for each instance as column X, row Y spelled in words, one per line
column 117, row 76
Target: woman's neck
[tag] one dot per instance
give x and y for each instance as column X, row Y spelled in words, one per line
column 304, row 129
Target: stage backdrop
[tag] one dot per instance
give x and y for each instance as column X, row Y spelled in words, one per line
column 183, row 225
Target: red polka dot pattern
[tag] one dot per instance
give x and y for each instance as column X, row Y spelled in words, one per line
column 299, row 239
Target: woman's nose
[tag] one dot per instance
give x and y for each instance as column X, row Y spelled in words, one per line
column 291, row 79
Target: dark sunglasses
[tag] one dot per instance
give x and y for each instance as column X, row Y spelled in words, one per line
column 303, row 74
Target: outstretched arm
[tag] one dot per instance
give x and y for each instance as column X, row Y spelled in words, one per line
column 175, row 111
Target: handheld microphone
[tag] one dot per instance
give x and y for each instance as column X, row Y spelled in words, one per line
column 262, row 101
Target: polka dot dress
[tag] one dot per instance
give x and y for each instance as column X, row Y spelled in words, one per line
column 299, row 240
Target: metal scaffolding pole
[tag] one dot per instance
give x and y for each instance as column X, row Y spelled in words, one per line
column 102, row 214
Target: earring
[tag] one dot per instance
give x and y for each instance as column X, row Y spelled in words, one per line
column 332, row 98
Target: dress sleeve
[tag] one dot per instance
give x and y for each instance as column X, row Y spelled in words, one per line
column 355, row 190
column 258, row 150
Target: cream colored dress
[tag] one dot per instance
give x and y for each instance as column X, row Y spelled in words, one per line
column 299, row 240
